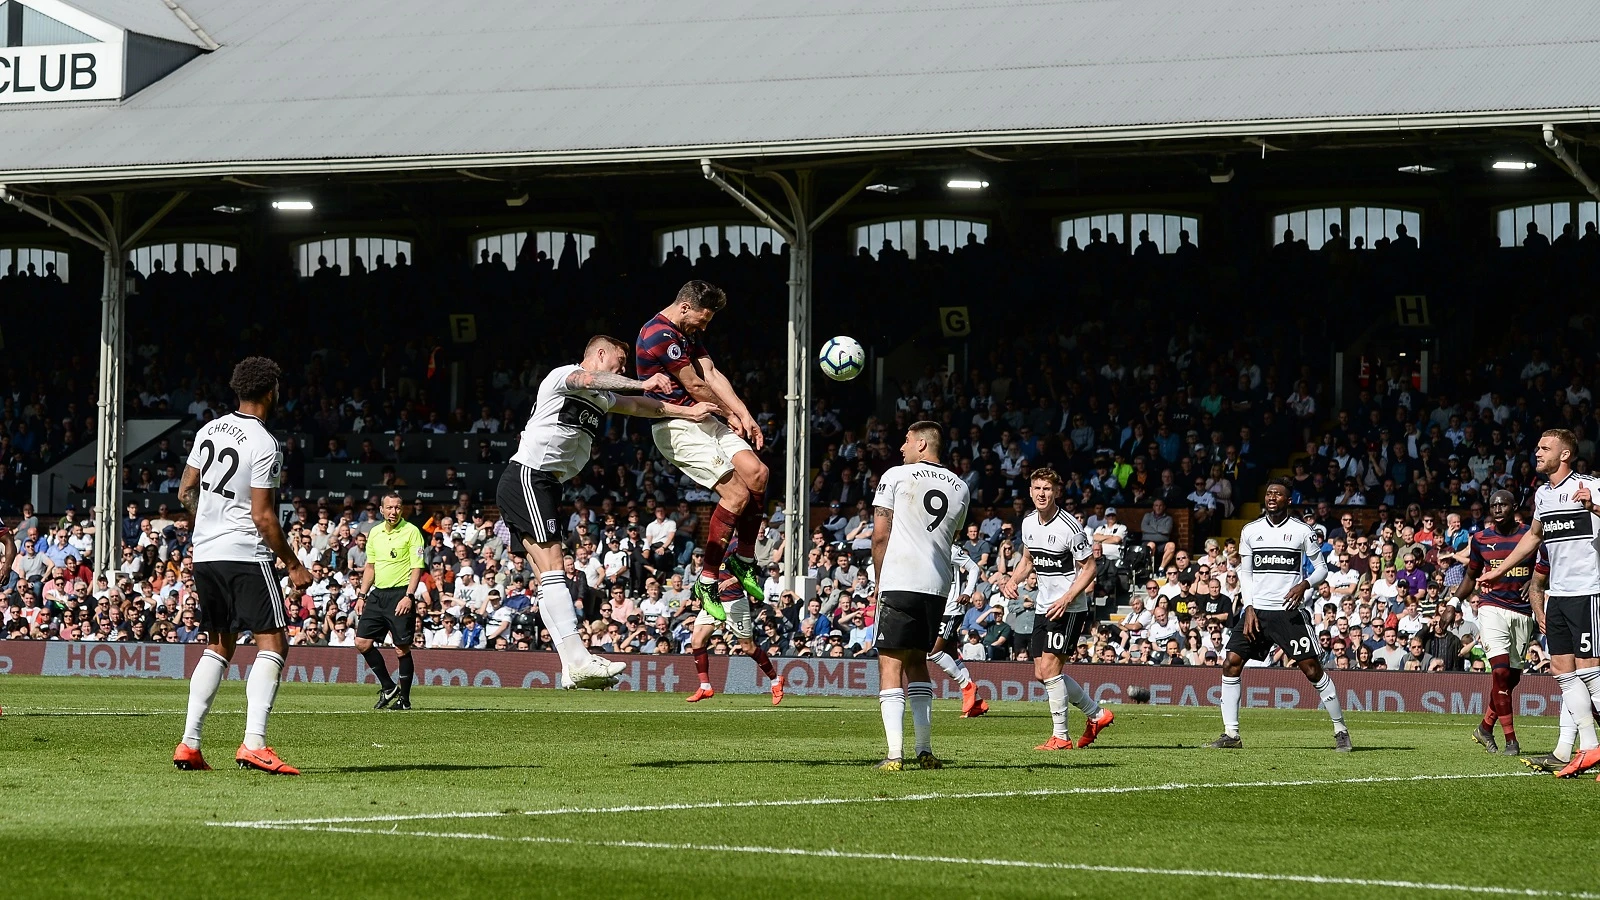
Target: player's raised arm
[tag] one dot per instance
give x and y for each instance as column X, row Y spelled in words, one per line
column 706, row 383
column 585, row 380
column 650, row 408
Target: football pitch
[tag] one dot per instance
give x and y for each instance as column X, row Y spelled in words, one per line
column 484, row 791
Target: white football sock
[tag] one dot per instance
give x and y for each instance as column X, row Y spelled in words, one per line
column 1575, row 697
column 260, row 689
column 1330, row 702
column 1591, row 680
column 1056, row 690
column 1569, row 734
column 1080, row 697
column 920, row 695
column 892, row 706
column 1230, row 706
column 558, row 615
column 203, row 684
column 952, row 667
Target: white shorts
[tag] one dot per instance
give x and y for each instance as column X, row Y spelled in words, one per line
column 702, row 450
column 739, row 623
column 1505, row 633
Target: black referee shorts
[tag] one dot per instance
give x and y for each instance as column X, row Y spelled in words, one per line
column 379, row 619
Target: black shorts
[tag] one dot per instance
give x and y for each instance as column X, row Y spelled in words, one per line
column 239, row 596
column 950, row 629
column 1289, row 629
column 379, row 620
column 908, row 620
column 1570, row 625
column 1057, row 636
column 530, row 503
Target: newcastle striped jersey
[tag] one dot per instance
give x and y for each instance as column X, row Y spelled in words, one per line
column 662, row 347
column 1056, row 548
column 1272, row 560
column 561, row 430
column 1569, row 532
column 1488, row 548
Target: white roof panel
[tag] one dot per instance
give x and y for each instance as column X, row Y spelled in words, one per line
column 309, row 84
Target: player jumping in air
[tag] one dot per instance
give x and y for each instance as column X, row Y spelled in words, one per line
column 918, row 507
column 1273, row 551
column 1566, row 522
column 962, row 587
column 741, row 625
column 1505, row 617
column 719, row 453
column 230, row 488
column 567, row 414
column 1057, row 548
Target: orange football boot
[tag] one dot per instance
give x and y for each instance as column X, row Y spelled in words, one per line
column 1055, row 743
column 1094, row 727
column 701, row 693
column 266, row 759
column 188, row 759
column 777, row 689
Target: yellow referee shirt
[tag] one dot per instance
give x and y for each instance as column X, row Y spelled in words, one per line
column 394, row 554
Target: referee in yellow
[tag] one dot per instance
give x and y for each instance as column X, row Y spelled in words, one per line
column 386, row 604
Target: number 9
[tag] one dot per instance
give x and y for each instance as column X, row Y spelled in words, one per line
column 937, row 510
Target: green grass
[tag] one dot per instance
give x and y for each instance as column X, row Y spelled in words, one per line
column 91, row 806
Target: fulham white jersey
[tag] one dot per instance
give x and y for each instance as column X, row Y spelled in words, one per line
column 1056, row 548
column 1570, row 535
column 964, row 577
column 929, row 503
column 1272, row 559
column 233, row 454
column 561, row 430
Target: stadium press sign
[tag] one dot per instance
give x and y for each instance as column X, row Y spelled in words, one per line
column 59, row 54
column 1457, row 693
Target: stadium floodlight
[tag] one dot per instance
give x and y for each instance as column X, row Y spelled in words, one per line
column 292, row 205
column 230, row 210
column 1513, row 165
column 1419, row 169
column 966, row 184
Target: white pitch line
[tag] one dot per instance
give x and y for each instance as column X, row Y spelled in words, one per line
column 844, row 801
column 43, row 712
column 1493, row 890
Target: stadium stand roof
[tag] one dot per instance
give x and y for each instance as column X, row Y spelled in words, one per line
column 307, row 86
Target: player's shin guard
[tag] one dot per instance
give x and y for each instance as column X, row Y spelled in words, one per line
column 1080, row 697
column 374, row 658
column 555, row 610
column 952, row 667
column 1230, row 706
column 1568, row 734
column 261, row 691
column 723, row 521
column 759, row 654
column 1055, row 690
column 1577, row 702
column 203, row 684
column 702, row 665
column 1329, row 696
column 919, row 695
column 407, row 670
column 892, row 706
column 749, row 523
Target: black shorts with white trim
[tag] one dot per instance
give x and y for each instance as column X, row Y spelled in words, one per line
column 1288, row 629
column 1057, row 636
column 237, row 596
column 530, row 504
column 1572, row 625
column 908, row 620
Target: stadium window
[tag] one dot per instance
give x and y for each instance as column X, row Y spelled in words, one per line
column 1164, row 228
column 1361, row 226
column 712, row 235
column 344, row 251
column 176, row 256
column 903, row 234
column 511, row 244
column 40, row 258
column 1511, row 222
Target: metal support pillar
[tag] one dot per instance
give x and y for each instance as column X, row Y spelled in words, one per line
column 796, row 228
column 112, row 240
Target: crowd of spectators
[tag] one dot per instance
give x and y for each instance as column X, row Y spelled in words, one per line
column 1180, row 415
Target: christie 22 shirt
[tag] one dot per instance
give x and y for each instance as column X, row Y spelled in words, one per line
column 234, row 454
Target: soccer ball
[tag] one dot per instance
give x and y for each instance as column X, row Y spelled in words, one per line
column 842, row 358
